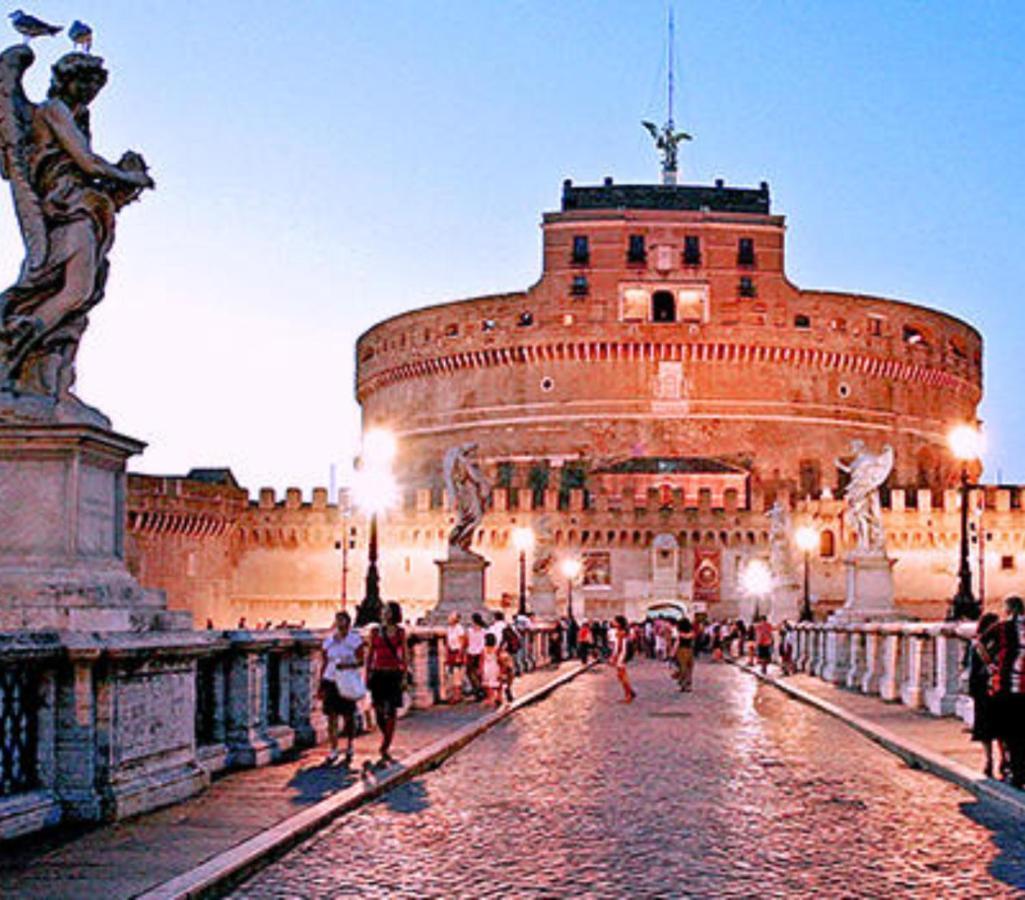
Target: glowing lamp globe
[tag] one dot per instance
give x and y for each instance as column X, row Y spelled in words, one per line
column 807, row 538
column 523, row 539
column 965, row 442
column 571, row 568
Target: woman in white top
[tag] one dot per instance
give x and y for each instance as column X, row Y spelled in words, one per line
column 620, row 652
column 342, row 649
column 455, row 656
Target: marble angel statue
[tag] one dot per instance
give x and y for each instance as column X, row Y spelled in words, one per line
column 862, row 509
column 468, row 490
column 66, row 198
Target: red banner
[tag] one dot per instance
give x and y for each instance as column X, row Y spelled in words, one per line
column 707, row 575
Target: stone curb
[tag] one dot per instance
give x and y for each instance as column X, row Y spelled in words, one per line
column 226, row 870
column 913, row 753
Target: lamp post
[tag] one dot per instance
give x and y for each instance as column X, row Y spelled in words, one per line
column 375, row 491
column 966, row 444
column 807, row 539
column 571, row 569
column 523, row 539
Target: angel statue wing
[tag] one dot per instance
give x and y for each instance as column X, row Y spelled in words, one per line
column 870, row 472
column 651, row 128
column 15, row 120
column 448, row 471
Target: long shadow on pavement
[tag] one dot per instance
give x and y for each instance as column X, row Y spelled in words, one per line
column 1008, row 835
column 314, row 783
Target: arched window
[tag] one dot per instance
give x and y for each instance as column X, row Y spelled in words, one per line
column 663, row 307
column 827, row 544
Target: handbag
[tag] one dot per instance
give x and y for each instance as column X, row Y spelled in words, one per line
column 350, row 684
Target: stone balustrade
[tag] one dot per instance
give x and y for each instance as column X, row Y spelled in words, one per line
column 917, row 664
column 99, row 727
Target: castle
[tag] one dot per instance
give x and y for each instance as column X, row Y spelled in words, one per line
column 640, row 407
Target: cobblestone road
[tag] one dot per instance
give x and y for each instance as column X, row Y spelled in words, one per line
column 732, row 791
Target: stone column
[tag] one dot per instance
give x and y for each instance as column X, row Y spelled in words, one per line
column 890, row 662
column 423, row 696
column 856, row 669
column 873, row 661
column 302, row 686
column 76, row 776
column 838, row 641
column 248, row 744
column 948, row 652
column 912, row 689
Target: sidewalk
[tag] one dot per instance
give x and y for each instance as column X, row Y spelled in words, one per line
column 285, row 801
column 942, row 746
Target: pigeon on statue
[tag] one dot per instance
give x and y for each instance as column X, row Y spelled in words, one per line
column 30, row 27
column 81, row 36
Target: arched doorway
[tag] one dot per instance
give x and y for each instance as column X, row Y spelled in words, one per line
column 663, row 307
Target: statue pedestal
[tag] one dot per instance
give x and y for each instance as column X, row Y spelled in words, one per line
column 542, row 601
column 869, row 596
column 62, row 516
column 785, row 603
column 460, row 585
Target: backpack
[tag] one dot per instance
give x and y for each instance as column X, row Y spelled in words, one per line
column 512, row 640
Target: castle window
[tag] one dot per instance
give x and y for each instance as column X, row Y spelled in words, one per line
column 636, row 252
column 802, row 321
column 746, row 252
column 581, row 250
column 452, row 330
column 827, row 544
column 568, row 319
column 579, row 286
column 634, row 305
column 1006, row 563
column 663, row 307
column 875, row 326
column 915, row 337
column 839, row 325
column 746, row 288
column 488, row 325
column 692, row 304
column 526, row 318
column 692, row 250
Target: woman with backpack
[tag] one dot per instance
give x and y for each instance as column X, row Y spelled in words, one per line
column 387, row 665
column 620, row 656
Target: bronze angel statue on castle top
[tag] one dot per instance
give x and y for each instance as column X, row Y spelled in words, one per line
column 66, row 198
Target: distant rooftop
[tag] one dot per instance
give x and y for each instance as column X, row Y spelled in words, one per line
column 718, row 197
column 672, row 465
column 221, row 476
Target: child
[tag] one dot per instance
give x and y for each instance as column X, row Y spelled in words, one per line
column 507, row 671
column 491, row 671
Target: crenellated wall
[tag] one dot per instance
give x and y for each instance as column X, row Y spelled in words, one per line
column 281, row 559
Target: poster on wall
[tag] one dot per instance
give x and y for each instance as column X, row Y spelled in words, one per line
column 597, row 569
column 707, row 575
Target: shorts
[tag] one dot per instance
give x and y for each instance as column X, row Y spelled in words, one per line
column 334, row 703
column 386, row 689
column 764, row 652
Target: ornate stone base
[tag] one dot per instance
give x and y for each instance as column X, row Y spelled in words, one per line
column 62, row 495
column 460, row 586
column 869, row 591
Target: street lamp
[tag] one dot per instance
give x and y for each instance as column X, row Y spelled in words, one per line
column 966, row 444
column 571, row 569
column 523, row 539
column 807, row 540
column 375, row 491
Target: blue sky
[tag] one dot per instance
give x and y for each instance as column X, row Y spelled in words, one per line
column 321, row 166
